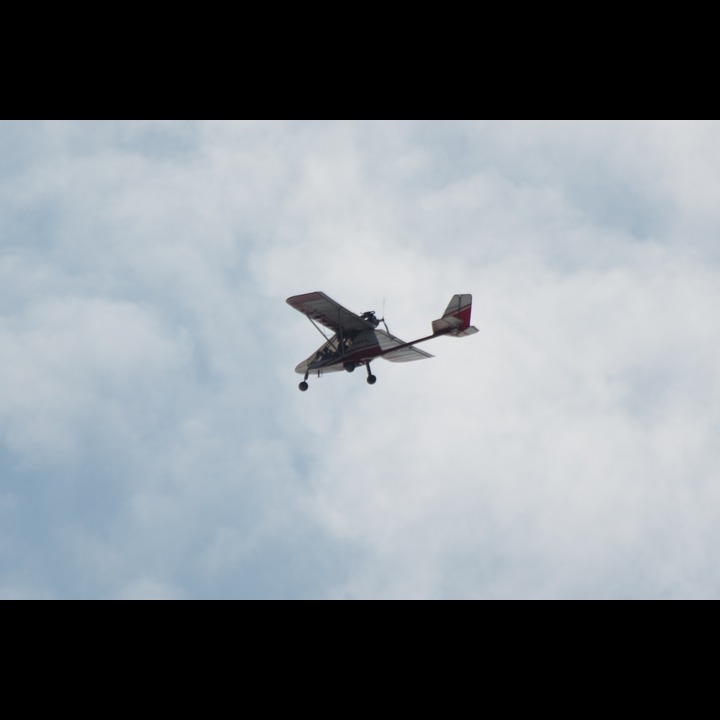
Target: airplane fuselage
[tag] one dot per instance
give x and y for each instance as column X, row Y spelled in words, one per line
column 344, row 353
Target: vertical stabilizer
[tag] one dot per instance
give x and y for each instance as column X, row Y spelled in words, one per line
column 456, row 318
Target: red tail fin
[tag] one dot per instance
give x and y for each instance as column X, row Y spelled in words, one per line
column 456, row 319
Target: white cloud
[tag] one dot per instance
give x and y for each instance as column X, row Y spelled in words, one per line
column 150, row 589
column 71, row 363
column 154, row 443
column 551, row 456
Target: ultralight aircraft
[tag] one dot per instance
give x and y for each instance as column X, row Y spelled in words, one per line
column 357, row 339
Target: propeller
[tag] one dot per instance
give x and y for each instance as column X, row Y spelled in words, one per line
column 371, row 318
column 382, row 319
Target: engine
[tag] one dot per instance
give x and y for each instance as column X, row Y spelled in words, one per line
column 370, row 317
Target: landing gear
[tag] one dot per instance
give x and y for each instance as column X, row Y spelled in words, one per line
column 371, row 379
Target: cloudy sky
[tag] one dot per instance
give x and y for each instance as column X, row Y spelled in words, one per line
column 153, row 441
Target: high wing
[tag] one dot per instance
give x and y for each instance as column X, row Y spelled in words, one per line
column 405, row 353
column 320, row 308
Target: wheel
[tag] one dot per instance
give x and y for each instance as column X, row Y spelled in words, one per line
column 303, row 386
column 371, row 379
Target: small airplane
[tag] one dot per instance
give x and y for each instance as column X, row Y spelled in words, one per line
column 357, row 339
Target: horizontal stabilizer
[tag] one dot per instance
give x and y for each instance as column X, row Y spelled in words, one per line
column 456, row 318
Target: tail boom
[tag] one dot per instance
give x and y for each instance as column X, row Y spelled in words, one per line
column 454, row 322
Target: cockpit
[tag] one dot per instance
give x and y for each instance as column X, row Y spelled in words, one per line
column 333, row 349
